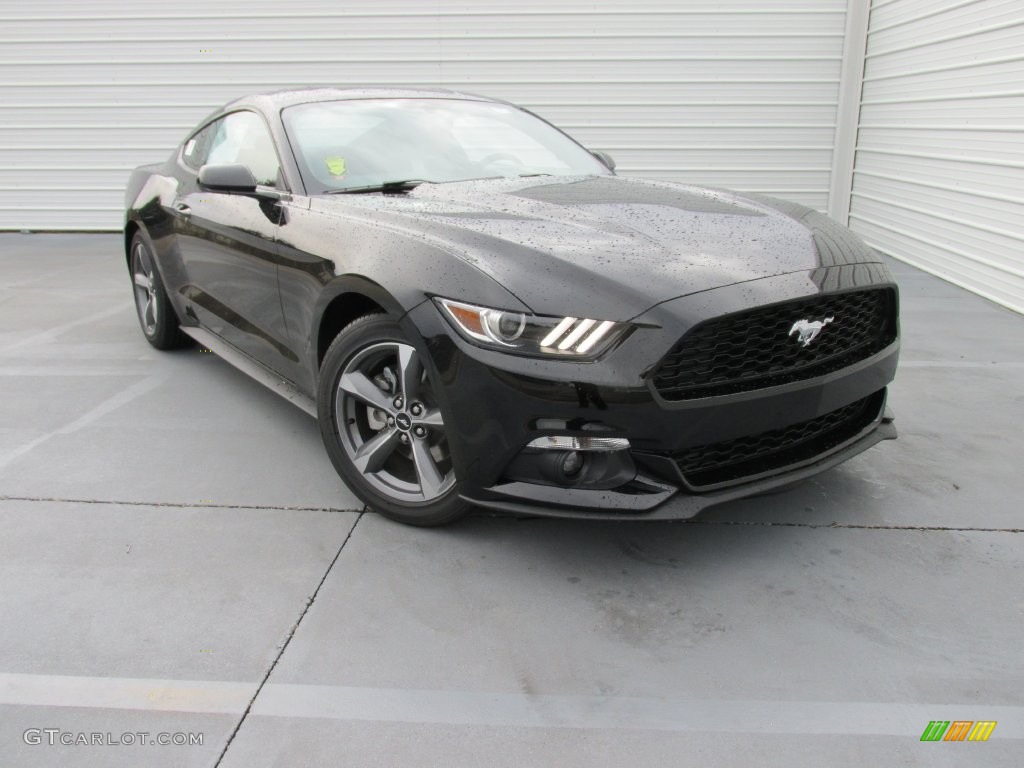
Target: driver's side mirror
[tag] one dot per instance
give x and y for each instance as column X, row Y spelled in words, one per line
column 605, row 158
column 227, row 178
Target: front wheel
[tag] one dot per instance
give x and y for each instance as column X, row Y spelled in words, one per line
column 382, row 425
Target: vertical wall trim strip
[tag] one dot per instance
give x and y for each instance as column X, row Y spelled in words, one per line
column 851, row 82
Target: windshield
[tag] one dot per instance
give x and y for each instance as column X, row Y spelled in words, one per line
column 360, row 143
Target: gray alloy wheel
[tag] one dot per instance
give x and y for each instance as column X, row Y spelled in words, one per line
column 157, row 317
column 145, row 294
column 382, row 422
column 389, row 425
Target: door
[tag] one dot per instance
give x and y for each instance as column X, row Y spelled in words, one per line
column 228, row 241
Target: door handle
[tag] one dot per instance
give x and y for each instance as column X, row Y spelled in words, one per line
column 183, row 209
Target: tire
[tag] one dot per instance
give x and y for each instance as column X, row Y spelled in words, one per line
column 382, row 426
column 156, row 315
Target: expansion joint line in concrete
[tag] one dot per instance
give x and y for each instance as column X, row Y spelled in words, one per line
column 698, row 521
column 173, row 504
column 286, row 643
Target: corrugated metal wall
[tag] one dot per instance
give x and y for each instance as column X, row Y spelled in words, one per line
column 736, row 93
column 939, row 168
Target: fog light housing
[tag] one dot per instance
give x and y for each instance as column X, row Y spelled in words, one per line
column 571, row 463
column 574, row 461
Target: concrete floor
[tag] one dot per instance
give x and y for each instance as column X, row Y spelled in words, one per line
column 178, row 556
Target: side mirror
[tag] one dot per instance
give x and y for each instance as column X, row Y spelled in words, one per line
column 227, row 178
column 605, row 158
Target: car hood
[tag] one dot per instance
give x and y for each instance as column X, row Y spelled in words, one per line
column 607, row 246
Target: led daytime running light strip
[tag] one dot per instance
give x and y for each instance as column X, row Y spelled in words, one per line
column 577, row 335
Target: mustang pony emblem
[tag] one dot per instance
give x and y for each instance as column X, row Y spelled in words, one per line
column 808, row 331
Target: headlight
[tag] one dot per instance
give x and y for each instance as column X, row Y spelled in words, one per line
column 525, row 334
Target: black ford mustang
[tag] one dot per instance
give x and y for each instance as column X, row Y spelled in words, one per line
column 480, row 312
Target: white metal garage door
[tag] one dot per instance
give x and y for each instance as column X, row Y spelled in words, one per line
column 736, row 93
column 939, row 171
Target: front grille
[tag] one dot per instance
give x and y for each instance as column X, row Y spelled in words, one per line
column 760, row 348
column 745, row 457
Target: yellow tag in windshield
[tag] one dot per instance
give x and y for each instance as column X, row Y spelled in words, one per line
column 335, row 165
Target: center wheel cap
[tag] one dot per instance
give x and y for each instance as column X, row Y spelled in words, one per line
column 403, row 421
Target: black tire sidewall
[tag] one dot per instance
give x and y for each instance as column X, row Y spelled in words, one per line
column 367, row 330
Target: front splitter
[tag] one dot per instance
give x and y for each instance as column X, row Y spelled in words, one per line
column 663, row 502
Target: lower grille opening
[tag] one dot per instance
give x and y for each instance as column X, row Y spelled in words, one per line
column 733, row 461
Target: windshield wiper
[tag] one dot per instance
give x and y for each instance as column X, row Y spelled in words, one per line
column 508, row 178
column 403, row 185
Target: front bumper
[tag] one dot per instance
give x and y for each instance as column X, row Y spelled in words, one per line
column 495, row 404
column 665, row 501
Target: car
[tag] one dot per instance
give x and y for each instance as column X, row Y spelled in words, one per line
column 482, row 314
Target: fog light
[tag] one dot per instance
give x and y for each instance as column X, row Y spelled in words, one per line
column 571, row 463
column 568, row 466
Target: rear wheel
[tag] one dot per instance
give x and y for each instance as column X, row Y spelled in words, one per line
column 382, row 425
column 156, row 315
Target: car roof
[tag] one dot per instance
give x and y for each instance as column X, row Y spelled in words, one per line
column 274, row 101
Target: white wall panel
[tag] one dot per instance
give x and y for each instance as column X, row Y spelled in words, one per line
column 736, row 93
column 939, row 168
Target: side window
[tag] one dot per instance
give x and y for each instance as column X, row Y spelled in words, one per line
column 197, row 149
column 241, row 137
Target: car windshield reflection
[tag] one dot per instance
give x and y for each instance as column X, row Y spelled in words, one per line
column 364, row 145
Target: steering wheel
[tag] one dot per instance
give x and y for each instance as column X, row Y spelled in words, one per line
column 497, row 157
